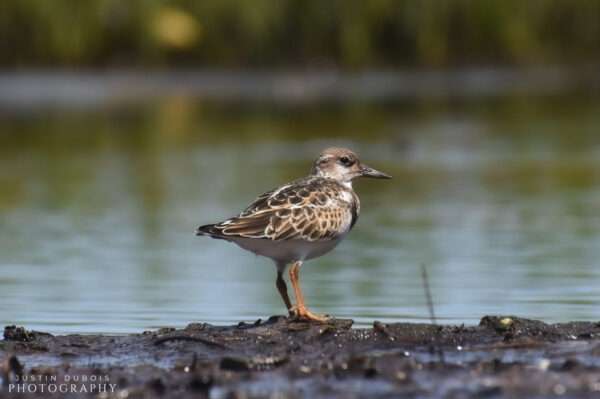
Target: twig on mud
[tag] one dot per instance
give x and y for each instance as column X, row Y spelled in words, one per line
column 428, row 295
column 205, row 341
column 432, row 317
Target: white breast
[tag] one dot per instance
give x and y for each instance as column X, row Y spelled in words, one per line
column 346, row 196
column 287, row 251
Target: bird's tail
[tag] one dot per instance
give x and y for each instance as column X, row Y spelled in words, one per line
column 205, row 230
column 210, row 230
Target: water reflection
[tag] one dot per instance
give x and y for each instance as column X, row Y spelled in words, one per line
column 500, row 198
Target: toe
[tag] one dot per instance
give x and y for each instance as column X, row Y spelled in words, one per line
column 318, row 317
column 305, row 314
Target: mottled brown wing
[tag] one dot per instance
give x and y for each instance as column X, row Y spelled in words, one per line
column 309, row 210
column 310, row 223
column 260, row 203
column 291, row 194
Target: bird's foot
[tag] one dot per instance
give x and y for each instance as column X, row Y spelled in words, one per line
column 302, row 313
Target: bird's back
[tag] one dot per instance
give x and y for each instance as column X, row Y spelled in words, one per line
column 310, row 209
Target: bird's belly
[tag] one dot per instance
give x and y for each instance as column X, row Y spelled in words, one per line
column 289, row 250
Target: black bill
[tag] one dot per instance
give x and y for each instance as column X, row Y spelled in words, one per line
column 370, row 172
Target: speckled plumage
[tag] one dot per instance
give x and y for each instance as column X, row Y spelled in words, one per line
column 313, row 208
column 300, row 220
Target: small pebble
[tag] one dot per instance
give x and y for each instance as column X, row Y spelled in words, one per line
column 506, row 322
column 305, row 369
column 559, row 389
column 543, row 364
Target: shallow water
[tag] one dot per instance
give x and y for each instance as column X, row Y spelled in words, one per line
column 499, row 197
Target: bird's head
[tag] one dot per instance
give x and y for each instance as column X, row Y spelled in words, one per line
column 343, row 165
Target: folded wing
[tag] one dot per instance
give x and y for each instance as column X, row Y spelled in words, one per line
column 301, row 210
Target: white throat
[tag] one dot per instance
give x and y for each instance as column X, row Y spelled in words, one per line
column 321, row 173
column 347, row 184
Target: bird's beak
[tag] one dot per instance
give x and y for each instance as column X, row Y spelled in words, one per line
column 375, row 174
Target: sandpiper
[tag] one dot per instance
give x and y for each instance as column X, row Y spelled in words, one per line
column 300, row 220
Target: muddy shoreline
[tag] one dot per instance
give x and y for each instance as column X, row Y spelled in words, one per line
column 503, row 356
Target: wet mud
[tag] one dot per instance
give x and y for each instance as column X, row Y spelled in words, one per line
column 503, row 356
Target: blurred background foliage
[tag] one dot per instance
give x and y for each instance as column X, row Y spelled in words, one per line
column 348, row 34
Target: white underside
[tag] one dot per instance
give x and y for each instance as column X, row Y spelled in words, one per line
column 284, row 252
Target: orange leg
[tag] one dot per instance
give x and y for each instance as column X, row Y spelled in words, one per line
column 300, row 309
column 282, row 287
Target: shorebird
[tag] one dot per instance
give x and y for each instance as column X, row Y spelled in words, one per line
column 300, row 220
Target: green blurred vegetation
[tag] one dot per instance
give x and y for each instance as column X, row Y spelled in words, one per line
column 354, row 34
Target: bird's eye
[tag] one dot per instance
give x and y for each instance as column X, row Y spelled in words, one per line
column 346, row 161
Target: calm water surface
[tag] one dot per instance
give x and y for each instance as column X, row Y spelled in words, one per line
column 500, row 198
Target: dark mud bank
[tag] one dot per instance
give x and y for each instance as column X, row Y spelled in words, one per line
column 501, row 357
